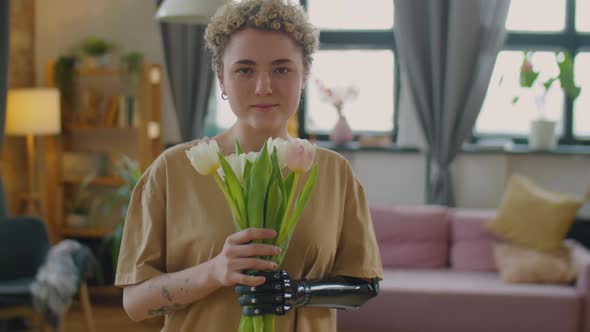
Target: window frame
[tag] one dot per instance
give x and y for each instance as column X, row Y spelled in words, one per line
column 355, row 40
column 568, row 40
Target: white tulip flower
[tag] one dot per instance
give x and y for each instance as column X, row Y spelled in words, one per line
column 280, row 144
column 204, row 157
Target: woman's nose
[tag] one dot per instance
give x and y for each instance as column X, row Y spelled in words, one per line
column 263, row 85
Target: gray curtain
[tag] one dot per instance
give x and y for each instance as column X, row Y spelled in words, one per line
column 189, row 73
column 4, row 55
column 447, row 50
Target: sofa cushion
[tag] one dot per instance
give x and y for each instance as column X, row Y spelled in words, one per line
column 524, row 265
column 534, row 217
column 412, row 236
column 446, row 300
column 471, row 242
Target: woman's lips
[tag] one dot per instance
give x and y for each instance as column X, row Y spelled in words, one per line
column 264, row 107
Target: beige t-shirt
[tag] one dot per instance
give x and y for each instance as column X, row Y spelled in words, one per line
column 178, row 218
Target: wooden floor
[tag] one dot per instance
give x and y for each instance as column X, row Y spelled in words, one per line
column 112, row 318
column 108, row 318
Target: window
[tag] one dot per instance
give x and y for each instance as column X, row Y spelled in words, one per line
column 583, row 15
column 370, row 72
column 504, row 88
column 348, row 15
column 548, row 15
column 356, row 50
column 556, row 25
column 582, row 103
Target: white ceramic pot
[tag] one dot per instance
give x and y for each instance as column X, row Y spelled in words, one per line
column 542, row 135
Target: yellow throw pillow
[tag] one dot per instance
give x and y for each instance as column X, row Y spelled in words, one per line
column 521, row 265
column 534, row 217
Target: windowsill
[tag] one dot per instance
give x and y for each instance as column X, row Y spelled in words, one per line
column 356, row 146
column 524, row 149
column 510, row 149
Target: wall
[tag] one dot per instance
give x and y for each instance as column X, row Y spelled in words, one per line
column 20, row 74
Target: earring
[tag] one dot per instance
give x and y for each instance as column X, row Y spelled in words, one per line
column 224, row 96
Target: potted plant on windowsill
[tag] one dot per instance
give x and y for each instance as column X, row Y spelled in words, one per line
column 542, row 130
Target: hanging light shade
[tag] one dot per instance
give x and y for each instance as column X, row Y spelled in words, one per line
column 188, row 11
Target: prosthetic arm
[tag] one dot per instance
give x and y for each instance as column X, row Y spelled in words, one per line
column 280, row 293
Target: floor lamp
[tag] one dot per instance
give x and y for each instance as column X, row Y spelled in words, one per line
column 32, row 112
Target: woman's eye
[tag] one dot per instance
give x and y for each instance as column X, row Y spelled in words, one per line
column 282, row 70
column 244, row 71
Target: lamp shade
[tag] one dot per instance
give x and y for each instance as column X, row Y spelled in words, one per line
column 188, row 11
column 33, row 111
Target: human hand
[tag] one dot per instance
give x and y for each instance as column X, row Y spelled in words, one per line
column 277, row 295
column 240, row 254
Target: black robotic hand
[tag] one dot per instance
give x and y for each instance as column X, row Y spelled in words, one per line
column 277, row 295
column 280, row 293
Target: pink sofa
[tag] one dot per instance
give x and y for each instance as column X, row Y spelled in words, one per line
column 440, row 276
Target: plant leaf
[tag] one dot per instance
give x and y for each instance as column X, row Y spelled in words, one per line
column 300, row 204
column 234, row 188
column 566, row 76
column 238, row 148
column 289, row 182
column 273, row 207
column 515, row 100
column 259, row 179
column 278, row 177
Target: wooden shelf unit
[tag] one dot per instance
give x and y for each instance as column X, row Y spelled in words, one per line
column 139, row 140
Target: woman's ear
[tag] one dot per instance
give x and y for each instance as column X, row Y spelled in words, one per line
column 219, row 73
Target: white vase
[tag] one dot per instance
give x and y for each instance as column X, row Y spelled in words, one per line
column 341, row 133
column 542, row 135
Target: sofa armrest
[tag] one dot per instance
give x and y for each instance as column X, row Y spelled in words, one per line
column 581, row 261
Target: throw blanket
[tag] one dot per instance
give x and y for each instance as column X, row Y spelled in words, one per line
column 58, row 279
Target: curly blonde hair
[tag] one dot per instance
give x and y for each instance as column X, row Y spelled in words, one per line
column 271, row 15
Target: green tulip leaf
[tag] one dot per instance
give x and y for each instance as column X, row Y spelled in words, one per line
column 273, row 206
column 234, row 188
column 287, row 230
column 238, row 148
column 259, row 178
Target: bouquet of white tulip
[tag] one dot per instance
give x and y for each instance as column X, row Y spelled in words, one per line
column 258, row 193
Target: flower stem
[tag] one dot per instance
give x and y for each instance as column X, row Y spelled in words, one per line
column 283, row 233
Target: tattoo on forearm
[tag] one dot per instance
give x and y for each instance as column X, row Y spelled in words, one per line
column 166, row 294
column 164, row 310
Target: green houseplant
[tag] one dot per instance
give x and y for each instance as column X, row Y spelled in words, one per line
column 96, row 51
column 131, row 63
column 79, row 210
column 117, row 202
column 64, row 78
column 542, row 130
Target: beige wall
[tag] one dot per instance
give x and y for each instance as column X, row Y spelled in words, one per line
column 20, row 74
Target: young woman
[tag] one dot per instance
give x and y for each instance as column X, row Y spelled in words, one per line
column 180, row 256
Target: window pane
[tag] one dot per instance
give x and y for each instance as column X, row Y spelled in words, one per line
column 534, row 15
column 498, row 114
column 582, row 103
column 351, row 14
column 371, row 72
column 583, row 15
